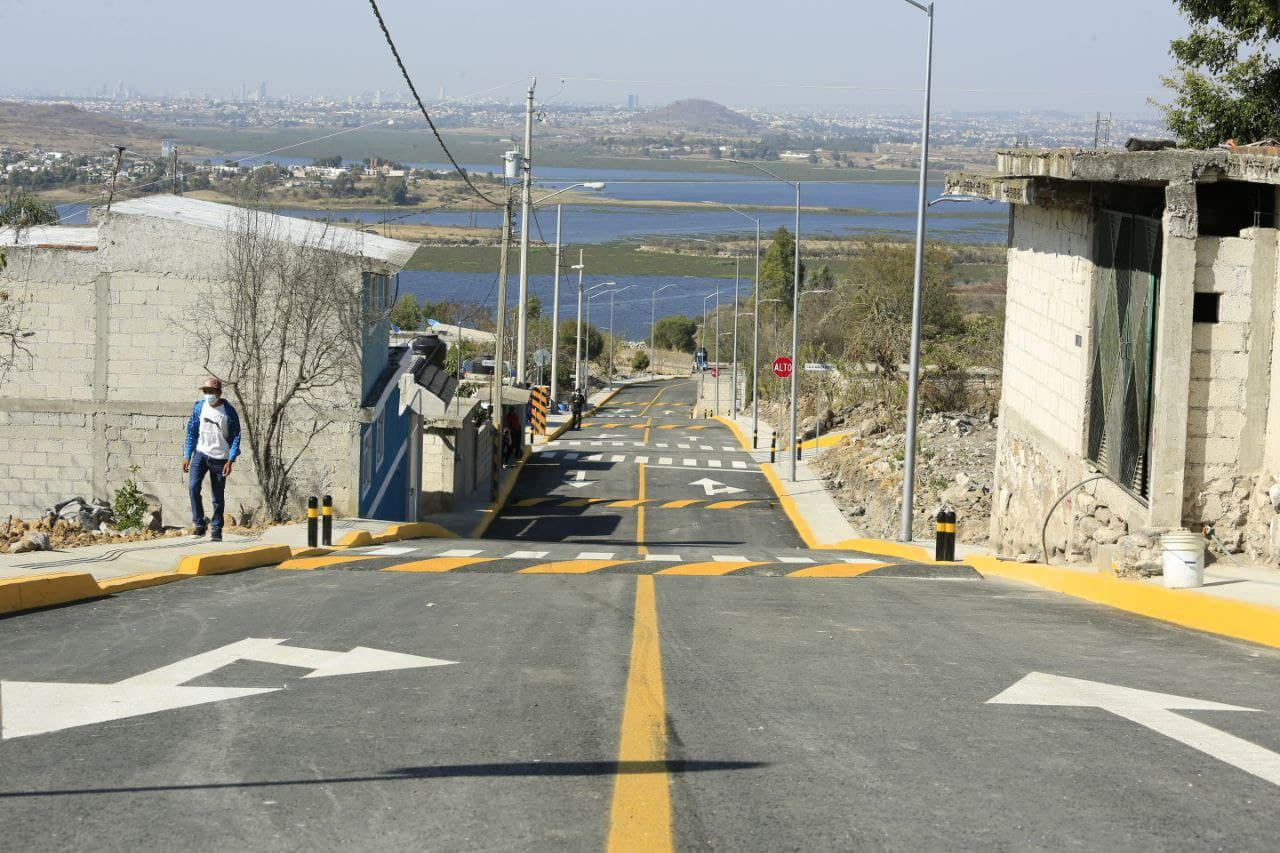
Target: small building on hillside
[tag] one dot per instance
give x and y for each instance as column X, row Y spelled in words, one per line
column 113, row 374
column 1140, row 349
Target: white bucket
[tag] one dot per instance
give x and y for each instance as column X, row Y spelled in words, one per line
column 1182, row 559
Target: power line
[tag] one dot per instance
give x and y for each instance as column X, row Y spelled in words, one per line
column 414, row 91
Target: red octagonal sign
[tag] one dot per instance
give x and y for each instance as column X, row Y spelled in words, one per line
column 782, row 366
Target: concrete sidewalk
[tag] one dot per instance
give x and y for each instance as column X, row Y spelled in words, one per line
column 822, row 524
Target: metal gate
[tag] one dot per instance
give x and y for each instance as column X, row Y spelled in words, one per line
column 1127, row 253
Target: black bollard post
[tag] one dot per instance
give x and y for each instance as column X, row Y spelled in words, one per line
column 951, row 536
column 940, row 537
column 798, row 454
column 773, row 448
column 311, row 521
column 755, row 439
column 326, row 521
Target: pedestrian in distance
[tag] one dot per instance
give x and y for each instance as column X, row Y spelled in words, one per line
column 576, row 402
column 212, row 445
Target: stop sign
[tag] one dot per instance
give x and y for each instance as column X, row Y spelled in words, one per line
column 715, row 373
column 782, row 366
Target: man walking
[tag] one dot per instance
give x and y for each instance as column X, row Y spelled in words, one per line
column 213, row 443
column 576, row 403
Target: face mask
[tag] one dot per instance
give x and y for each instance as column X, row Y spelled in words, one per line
column 211, row 399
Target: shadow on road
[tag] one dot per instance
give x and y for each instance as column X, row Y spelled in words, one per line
column 442, row 771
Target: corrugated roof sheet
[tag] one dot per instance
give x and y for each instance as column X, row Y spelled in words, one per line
column 210, row 214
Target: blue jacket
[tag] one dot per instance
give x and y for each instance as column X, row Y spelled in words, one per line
column 193, row 430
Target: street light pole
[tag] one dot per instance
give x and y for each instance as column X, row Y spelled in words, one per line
column 577, row 341
column 795, row 304
column 613, row 293
column 913, row 378
column 717, row 376
column 522, row 317
column 586, row 361
column 734, row 393
column 653, row 325
column 755, row 329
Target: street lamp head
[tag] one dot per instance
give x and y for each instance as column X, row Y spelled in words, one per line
column 593, row 185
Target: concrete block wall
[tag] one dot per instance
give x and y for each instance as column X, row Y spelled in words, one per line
column 47, row 458
column 1047, row 307
column 1219, row 361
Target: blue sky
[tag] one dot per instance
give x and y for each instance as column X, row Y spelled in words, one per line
column 1077, row 56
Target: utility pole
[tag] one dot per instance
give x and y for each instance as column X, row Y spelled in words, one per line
column 111, row 193
column 175, row 171
column 577, row 340
column 496, row 391
column 526, row 207
column 555, row 318
column 733, row 396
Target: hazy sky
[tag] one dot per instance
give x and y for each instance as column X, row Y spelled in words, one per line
column 1078, row 56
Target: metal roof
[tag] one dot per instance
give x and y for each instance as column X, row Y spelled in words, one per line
column 210, row 214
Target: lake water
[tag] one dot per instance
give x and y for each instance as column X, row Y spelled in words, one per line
column 631, row 307
column 866, row 208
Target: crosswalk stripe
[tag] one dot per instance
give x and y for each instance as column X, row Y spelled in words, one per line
column 729, row 448
column 715, row 463
column 723, row 558
column 461, row 552
column 682, row 446
column 739, row 464
column 440, row 564
column 691, row 462
column 705, row 447
column 596, row 555
column 796, row 560
column 835, row 570
column 663, row 446
column 571, row 456
column 617, row 457
column 665, row 460
column 663, row 558
column 707, row 569
column 642, row 460
column 526, row 555
column 595, row 457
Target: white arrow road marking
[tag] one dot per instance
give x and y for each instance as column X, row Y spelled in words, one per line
column 711, row 485
column 578, row 479
column 34, row 707
column 1153, row 710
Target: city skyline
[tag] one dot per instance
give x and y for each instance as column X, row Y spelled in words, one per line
column 290, row 47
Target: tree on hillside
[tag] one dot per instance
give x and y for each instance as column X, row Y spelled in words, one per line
column 333, row 162
column 1227, row 83
column 674, row 333
column 777, row 268
column 870, row 318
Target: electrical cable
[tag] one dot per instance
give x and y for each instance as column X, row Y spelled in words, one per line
column 414, row 91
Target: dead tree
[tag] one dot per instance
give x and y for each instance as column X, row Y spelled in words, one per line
column 285, row 334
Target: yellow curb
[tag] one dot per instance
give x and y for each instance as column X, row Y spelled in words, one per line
column 828, row 440
column 742, row 439
column 790, row 508
column 27, row 593
column 1186, row 608
column 297, row 552
column 413, row 530
column 309, row 563
column 234, row 561
column 146, row 579
column 355, row 539
column 883, row 548
column 504, row 492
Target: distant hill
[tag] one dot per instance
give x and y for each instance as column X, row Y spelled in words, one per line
column 697, row 114
column 63, row 127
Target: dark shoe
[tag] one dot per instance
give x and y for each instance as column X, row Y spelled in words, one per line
column 198, row 532
column 216, row 537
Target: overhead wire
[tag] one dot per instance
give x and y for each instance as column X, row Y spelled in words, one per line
column 413, row 90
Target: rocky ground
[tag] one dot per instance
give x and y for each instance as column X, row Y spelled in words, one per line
column 954, row 468
column 51, row 533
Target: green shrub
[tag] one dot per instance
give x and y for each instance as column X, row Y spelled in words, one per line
column 128, row 504
column 640, row 361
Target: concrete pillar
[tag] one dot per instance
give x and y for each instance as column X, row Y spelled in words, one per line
column 1171, row 378
column 1271, row 458
column 1262, row 281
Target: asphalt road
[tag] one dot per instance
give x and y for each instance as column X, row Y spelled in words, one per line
column 539, row 700
column 691, row 482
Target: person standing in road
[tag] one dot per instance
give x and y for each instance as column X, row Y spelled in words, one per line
column 213, row 443
column 576, row 402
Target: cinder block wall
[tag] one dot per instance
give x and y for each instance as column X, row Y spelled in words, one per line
column 113, row 377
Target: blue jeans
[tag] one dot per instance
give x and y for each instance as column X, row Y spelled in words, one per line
column 199, row 465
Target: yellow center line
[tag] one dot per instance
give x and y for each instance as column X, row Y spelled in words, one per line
column 640, row 817
column 640, row 511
